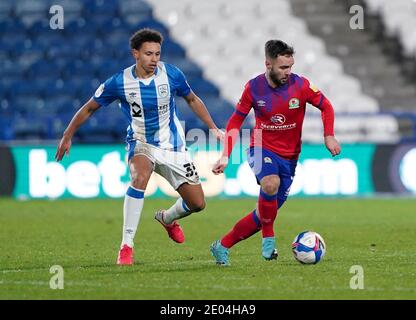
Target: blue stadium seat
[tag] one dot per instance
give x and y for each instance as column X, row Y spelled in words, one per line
column 220, row 110
column 64, row 50
column 40, row 29
column 46, row 75
column 44, row 68
column 6, row 109
column 25, row 88
column 11, row 26
column 133, row 11
column 100, row 7
column 203, row 87
column 70, row 7
column 77, row 68
column 31, row 11
column 76, row 27
column 154, row 24
column 112, row 67
column 10, row 69
column 57, row 104
column 6, row 8
column 186, row 114
column 28, row 105
column 117, row 41
column 172, row 48
column 189, row 68
column 29, row 128
column 6, row 125
column 48, row 39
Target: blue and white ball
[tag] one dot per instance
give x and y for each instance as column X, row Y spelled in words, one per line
column 308, row 247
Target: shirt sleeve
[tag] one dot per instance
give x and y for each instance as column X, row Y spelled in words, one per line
column 182, row 86
column 106, row 93
column 245, row 103
column 315, row 97
column 236, row 120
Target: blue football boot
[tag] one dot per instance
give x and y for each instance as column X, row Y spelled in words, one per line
column 220, row 253
column 268, row 250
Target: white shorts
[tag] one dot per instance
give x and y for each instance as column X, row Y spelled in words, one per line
column 175, row 166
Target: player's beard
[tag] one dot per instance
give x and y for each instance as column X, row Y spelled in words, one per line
column 278, row 82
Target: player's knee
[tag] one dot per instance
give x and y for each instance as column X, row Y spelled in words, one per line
column 197, row 205
column 270, row 185
column 269, row 188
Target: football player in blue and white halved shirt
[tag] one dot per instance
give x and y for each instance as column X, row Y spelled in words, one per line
column 156, row 140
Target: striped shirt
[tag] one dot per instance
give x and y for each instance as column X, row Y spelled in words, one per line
column 149, row 104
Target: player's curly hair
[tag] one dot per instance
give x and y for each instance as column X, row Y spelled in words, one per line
column 275, row 48
column 145, row 35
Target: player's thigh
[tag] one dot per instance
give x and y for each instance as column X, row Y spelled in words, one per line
column 193, row 195
column 264, row 166
column 141, row 168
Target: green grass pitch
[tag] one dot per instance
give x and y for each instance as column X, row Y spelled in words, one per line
column 83, row 236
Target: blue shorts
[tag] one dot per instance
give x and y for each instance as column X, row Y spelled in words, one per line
column 264, row 163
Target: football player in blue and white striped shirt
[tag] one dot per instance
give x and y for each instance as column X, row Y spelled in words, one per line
column 156, row 140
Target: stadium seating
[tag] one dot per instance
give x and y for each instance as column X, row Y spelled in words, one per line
column 229, row 64
column 46, row 75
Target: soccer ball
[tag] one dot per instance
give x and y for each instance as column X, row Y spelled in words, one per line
column 308, row 247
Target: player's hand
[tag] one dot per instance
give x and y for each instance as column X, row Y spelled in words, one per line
column 63, row 148
column 220, row 165
column 219, row 134
column 332, row 145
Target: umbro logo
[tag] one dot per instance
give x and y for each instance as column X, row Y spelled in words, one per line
column 261, row 103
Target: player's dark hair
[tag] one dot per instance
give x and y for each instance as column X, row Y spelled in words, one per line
column 145, row 35
column 275, row 48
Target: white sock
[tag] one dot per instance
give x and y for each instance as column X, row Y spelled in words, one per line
column 133, row 205
column 177, row 211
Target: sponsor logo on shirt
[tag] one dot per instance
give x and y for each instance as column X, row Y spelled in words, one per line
column 163, row 109
column 294, row 103
column 278, row 123
column 275, row 127
column 278, row 119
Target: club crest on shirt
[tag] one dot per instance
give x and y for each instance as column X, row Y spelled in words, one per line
column 294, row 103
column 267, row 160
column 163, row 90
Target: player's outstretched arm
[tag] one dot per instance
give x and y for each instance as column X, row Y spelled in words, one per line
column 79, row 118
column 199, row 108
